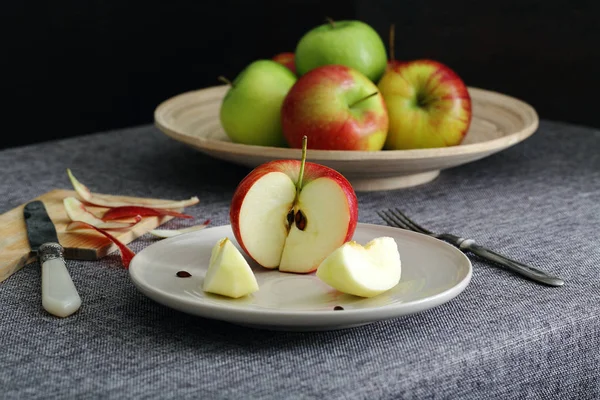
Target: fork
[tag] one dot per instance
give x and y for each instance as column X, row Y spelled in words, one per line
column 397, row 219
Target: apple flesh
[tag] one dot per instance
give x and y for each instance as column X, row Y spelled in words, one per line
column 228, row 272
column 363, row 271
column 281, row 226
column 427, row 103
column 337, row 108
column 287, row 60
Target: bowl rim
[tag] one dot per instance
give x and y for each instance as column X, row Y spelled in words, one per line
column 528, row 113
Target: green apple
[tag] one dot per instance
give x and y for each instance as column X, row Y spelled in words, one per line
column 251, row 109
column 363, row 271
column 352, row 43
column 228, row 272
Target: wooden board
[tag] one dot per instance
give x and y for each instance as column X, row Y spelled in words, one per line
column 84, row 245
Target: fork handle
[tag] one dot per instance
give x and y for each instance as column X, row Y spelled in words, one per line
column 515, row 266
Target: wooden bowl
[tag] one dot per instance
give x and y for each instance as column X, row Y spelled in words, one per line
column 499, row 121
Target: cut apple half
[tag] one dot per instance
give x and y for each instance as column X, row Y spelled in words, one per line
column 363, row 271
column 291, row 214
column 228, row 272
column 77, row 212
column 167, row 233
column 88, row 197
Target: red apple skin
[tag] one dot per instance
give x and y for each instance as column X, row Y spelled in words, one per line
column 319, row 106
column 286, row 59
column 444, row 116
column 391, row 64
column 291, row 168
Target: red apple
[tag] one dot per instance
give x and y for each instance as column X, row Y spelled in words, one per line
column 291, row 214
column 428, row 105
column 338, row 108
column 286, row 59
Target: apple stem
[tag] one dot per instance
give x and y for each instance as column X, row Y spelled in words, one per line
column 363, row 99
column 331, row 22
column 302, row 162
column 392, row 38
column 225, row 80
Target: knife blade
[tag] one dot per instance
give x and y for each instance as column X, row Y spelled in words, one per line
column 59, row 294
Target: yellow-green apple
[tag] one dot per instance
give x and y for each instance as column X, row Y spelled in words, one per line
column 286, row 59
column 362, row 271
column 351, row 43
column 291, row 214
column 228, row 272
column 251, row 109
column 428, row 105
column 338, row 108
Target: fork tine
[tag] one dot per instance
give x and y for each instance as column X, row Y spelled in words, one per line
column 413, row 225
column 389, row 218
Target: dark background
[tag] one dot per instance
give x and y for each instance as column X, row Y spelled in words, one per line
column 75, row 67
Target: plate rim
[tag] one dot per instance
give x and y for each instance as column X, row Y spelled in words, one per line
column 350, row 155
column 331, row 316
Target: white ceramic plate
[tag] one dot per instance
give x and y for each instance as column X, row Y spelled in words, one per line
column 499, row 121
column 433, row 272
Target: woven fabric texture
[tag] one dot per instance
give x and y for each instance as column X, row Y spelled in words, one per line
column 503, row 337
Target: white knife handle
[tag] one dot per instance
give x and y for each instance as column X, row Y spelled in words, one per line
column 59, row 295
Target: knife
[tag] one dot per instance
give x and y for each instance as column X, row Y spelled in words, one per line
column 59, row 295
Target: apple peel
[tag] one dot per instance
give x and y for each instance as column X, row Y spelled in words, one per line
column 132, row 211
column 167, row 233
column 87, row 195
column 78, row 213
column 126, row 253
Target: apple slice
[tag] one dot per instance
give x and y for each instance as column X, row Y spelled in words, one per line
column 167, row 233
column 292, row 214
column 228, row 272
column 87, row 195
column 363, row 271
column 132, row 211
column 77, row 212
column 126, row 253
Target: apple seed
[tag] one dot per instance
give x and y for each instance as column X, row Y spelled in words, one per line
column 290, row 218
column 300, row 220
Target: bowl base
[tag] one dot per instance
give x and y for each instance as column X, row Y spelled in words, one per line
column 392, row 182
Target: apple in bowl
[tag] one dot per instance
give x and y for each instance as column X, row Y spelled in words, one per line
column 352, row 43
column 428, row 105
column 286, row 59
column 291, row 214
column 338, row 108
column 250, row 112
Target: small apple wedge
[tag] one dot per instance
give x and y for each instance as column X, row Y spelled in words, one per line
column 228, row 272
column 363, row 271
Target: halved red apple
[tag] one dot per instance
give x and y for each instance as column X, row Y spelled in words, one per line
column 77, row 212
column 291, row 214
column 87, row 195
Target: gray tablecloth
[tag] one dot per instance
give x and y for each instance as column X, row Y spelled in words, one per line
column 503, row 337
